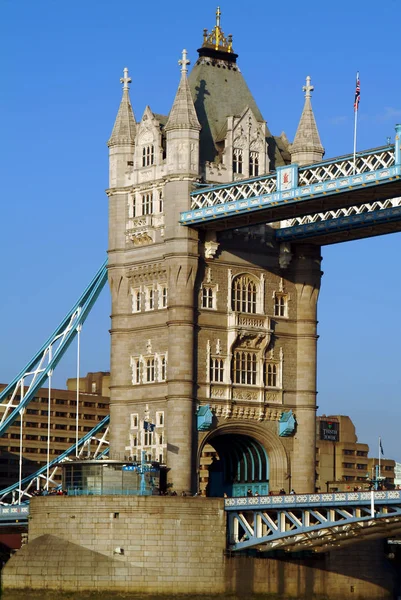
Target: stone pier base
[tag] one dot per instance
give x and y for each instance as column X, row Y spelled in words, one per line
column 171, row 545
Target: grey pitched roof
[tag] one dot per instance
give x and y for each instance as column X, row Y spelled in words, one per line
column 307, row 136
column 219, row 90
column 124, row 130
column 182, row 114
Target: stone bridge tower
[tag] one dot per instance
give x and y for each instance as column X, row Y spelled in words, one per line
column 213, row 336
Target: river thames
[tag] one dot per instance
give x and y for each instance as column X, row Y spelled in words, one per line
column 54, row 594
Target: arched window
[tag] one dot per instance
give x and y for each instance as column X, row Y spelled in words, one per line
column 148, row 156
column 245, row 366
column 253, row 164
column 237, row 160
column 243, row 296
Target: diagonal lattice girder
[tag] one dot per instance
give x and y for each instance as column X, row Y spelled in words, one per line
column 8, row 495
column 17, row 395
column 330, row 184
column 311, row 520
column 349, row 218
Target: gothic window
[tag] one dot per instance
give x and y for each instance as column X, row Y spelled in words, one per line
column 136, row 370
column 147, row 438
column 253, row 163
column 245, row 367
column 150, row 298
column 244, row 294
column 272, row 374
column 150, row 370
column 148, row 154
column 163, row 369
column 134, row 421
column 160, row 419
column 237, row 160
column 161, row 201
column 209, row 296
column 162, row 297
column 216, row 370
column 160, row 438
column 147, row 208
column 136, row 300
column 281, row 305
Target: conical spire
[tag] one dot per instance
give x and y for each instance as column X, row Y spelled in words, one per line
column 183, row 114
column 307, row 147
column 124, row 129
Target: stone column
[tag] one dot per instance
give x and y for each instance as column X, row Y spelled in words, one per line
column 307, row 279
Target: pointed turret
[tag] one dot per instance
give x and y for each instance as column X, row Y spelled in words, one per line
column 183, row 114
column 307, row 147
column 182, row 128
column 124, row 129
column 122, row 140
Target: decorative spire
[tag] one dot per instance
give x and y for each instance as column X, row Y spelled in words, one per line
column 216, row 38
column 308, row 88
column 125, row 80
column 124, row 130
column 307, row 147
column 183, row 114
column 184, row 62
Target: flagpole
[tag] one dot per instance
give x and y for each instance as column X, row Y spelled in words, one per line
column 355, row 126
column 380, row 447
column 356, row 107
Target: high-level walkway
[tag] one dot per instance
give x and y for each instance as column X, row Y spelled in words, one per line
column 326, row 202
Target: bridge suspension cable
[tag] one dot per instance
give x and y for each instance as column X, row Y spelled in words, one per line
column 15, row 397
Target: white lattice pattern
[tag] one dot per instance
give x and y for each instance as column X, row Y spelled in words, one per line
column 342, row 212
column 345, row 167
column 235, row 191
column 323, row 172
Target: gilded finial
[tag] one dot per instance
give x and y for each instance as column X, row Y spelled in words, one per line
column 218, row 15
column 125, row 80
column 184, row 62
column 216, row 38
column 308, row 88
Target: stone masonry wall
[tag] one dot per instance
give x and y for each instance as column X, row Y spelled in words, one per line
column 176, row 545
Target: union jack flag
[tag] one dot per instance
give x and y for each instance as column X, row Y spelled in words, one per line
column 357, row 93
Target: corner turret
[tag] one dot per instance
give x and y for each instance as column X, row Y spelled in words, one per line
column 182, row 128
column 307, row 148
column 122, row 139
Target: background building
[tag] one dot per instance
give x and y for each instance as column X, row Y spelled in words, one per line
column 93, row 407
column 342, row 462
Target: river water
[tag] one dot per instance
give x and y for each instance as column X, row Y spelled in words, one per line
column 55, row 595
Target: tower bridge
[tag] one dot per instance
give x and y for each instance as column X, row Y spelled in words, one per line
column 213, row 333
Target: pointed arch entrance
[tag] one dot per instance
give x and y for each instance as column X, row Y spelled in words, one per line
column 238, row 464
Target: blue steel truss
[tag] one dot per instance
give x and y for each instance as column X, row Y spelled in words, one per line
column 15, row 397
column 26, row 483
column 311, row 521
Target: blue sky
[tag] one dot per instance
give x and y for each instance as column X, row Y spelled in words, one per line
column 61, row 64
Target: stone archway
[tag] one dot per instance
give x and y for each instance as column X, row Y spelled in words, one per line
column 278, row 460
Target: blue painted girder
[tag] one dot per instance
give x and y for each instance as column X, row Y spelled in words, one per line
column 310, row 520
column 338, row 225
column 85, row 304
